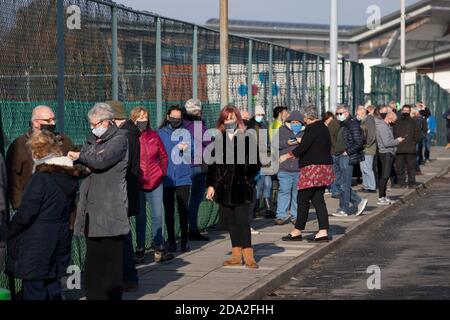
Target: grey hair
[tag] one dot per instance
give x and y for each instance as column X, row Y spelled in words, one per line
column 193, row 106
column 310, row 113
column 343, row 107
column 101, row 111
column 38, row 108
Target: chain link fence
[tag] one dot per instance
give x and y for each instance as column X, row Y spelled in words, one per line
column 70, row 54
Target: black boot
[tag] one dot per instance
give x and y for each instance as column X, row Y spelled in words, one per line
column 195, row 235
column 270, row 214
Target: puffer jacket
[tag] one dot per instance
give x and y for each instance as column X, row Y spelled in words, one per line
column 154, row 160
column 354, row 140
column 103, row 205
column 178, row 174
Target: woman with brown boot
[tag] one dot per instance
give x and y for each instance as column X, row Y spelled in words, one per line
column 230, row 180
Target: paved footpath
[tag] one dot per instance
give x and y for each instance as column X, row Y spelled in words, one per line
column 199, row 274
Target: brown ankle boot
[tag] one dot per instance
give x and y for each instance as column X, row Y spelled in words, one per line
column 249, row 259
column 236, row 257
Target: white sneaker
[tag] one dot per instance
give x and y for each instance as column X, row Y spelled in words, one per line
column 253, row 231
column 383, row 202
column 340, row 214
column 391, row 201
column 362, row 206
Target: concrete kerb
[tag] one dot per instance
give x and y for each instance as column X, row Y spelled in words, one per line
column 282, row 275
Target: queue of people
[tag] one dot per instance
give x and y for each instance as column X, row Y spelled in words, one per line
column 125, row 167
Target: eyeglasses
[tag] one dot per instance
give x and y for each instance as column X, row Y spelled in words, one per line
column 340, row 113
column 47, row 120
column 95, row 125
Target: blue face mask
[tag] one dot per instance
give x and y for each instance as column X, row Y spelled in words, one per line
column 296, row 127
column 341, row 117
column 259, row 119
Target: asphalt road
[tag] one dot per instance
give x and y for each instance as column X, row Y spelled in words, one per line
column 411, row 247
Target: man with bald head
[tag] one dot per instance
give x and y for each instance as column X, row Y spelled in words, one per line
column 19, row 161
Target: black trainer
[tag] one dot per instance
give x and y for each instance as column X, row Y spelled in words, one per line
column 195, row 235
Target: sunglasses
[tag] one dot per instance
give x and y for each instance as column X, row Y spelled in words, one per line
column 340, row 113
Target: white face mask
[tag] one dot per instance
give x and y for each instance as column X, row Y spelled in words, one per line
column 99, row 132
column 341, row 117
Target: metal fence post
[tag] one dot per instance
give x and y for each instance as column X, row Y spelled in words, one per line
column 288, row 78
column 114, row 61
column 354, row 93
column 318, row 87
column 270, row 93
column 60, row 57
column 195, row 63
column 304, row 79
column 159, row 113
column 343, row 83
column 250, row 78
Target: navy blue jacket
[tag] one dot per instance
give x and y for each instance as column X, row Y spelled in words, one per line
column 354, row 140
column 178, row 174
column 39, row 236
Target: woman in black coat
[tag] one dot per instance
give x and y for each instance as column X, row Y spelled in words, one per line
column 39, row 236
column 230, row 180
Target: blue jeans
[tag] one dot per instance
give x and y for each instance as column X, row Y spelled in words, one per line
column 348, row 195
column 336, row 185
column 287, row 194
column 367, row 173
column 197, row 195
column 130, row 274
column 264, row 185
column 155, row 199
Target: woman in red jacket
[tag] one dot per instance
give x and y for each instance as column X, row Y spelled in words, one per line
column 153, row 165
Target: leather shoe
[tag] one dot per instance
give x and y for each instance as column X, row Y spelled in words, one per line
column 289, row 237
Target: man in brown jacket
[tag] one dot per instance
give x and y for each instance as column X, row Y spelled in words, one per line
column 19, row 162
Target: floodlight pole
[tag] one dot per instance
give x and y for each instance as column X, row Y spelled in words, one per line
column 223, row 53
column 402, row 52
column 333, row 54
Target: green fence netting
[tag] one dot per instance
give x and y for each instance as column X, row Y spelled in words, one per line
column 29, row 71
column 437, row 99
column 385, row 85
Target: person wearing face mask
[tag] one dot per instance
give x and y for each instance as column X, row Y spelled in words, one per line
column 231, row 183
column 19, row 162
column 39, row 236
column 405, row 160
column 153, row 168
column 370, row 148
column 387, row 147
column 130, row 276
column 192, row 119
column 290, row 136
column 349, row 151
column 264, row 183
column 177, row 182
column 102, row 215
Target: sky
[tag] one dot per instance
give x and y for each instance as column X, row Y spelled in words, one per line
column 351, row 12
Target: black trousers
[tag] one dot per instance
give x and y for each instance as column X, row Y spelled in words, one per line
column 304, row 199
column 406, row 162
column 420, row 152
column 41, row 290
column 387, row 160
column 104, row 268
column 181, row 194
column 238, row 225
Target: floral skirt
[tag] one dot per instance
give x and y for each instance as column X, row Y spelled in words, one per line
column 315, row 176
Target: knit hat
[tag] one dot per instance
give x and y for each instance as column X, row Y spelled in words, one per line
column 119, row 111
column 193, row 107
column 295, row 115
column 259, row 110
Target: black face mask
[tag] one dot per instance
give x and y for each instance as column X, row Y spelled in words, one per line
column 175, row 122
column 405, row 115
column 246, row 122
column 49, row 127
column 383, row 115
column 142, row 125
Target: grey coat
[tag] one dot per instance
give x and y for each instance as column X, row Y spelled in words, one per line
column 284, row 133
column 103, row 205
column 385, row 138
column 370, row 132
column 4, row 215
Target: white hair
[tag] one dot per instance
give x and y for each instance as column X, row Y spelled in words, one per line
column 101, row 111
column 39, row 108
column 193, row 106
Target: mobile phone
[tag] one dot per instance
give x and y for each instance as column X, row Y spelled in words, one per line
column 293, row 140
